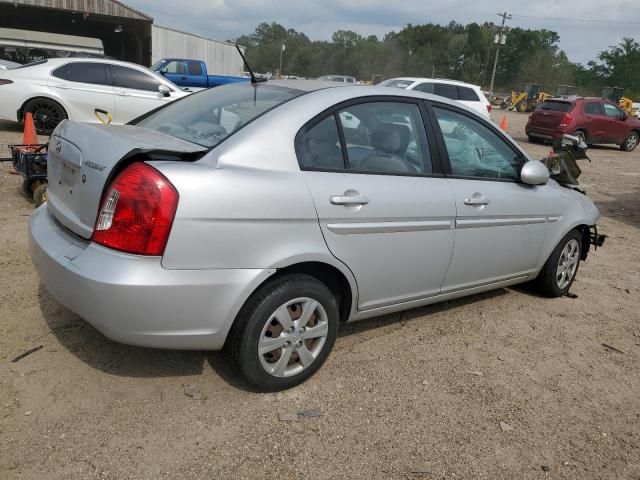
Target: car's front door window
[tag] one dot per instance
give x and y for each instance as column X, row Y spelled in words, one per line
column 612, row 111
column 475, row 150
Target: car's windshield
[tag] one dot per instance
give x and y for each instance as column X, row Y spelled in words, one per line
column 156, row 66
column 208, row 117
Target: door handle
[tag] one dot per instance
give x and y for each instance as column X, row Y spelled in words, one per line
column 183, row 78
column 348, row 201
column 476, row 200
column 122, row 93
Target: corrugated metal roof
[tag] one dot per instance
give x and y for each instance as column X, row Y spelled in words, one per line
column 112, row 8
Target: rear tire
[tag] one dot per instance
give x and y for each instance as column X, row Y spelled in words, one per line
column 630, row 142
column 559, row 272
column 522, row 107
column 40, row 194
column 581, row 135
column 47, row 114
column 284, row 332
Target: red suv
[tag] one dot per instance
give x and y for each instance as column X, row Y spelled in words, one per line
column 594, row 119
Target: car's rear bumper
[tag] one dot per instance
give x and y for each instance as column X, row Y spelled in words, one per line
column 544, row 133
column 133, row 299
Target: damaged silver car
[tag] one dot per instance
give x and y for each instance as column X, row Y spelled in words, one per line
column 258, row 217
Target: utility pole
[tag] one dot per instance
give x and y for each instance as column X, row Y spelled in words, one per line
column 281, row 51
column 500, row 39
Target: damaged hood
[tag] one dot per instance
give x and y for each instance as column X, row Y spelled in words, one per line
column 81, row 159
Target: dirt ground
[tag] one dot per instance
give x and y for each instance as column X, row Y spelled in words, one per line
column 419, row 395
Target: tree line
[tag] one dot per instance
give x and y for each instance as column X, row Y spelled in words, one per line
column 455, row 51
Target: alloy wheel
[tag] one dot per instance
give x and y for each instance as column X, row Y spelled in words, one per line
column 567, row 263
column 293, row 337
column 632, row 141
column 46, row 116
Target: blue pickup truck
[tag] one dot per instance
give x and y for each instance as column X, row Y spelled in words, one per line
column 191, row 73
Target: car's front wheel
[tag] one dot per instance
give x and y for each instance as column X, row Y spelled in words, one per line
column 630, row 142
column 284, row 332
column 559, row 272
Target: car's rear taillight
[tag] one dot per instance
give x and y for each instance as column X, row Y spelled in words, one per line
column 566, row 120
column 489, row 107
column 137, row 211
column 4, row 81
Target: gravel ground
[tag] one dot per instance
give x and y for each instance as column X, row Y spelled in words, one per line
column 499, row 385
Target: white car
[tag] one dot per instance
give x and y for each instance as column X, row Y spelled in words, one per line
column 82, row 89
column 8, row 65
column 470, row 95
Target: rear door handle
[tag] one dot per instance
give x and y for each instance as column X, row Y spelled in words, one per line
column 122, row 93
column 476, row 200
column 348, row 200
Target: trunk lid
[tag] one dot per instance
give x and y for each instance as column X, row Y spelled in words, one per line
column 81, row 158
column 550, row 113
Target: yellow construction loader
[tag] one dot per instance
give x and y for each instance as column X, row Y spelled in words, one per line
column 616, row 95
column 526, row 100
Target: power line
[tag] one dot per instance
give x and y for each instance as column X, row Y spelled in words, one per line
column 586, row 20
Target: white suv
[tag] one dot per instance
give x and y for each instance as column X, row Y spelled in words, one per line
column 470, row 95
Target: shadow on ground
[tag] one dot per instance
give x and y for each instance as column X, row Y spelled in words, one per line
column 93, row 348
column 625, row 207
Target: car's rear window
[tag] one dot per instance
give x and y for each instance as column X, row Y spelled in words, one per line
column 396, row 83
column 556, row 106
column 210, row 116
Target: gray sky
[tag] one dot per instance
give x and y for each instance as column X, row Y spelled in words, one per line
column 228, row 19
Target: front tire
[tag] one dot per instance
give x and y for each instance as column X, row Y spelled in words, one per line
column 559, row 272
column 284, row 332
column 630, row 142
column 47, row 114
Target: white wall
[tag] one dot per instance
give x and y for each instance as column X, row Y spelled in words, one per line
column 221, row 58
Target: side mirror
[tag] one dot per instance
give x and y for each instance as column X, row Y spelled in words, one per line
column 164, row 70
column 624, row 116
column 534, row 173
column 164, row 90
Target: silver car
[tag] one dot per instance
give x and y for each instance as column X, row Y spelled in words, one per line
column 259, row 217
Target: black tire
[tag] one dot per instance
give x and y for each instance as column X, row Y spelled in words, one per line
column 40, row 194
column 630, row 142
column 258, row 314
column 522, row 106
column 547, row 280
column 47, row 114
column 27, row 188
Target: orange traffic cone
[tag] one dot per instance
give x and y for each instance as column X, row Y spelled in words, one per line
column 29, row 137
column 503, row 123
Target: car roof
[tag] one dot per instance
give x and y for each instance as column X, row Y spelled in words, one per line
column 306, row 85
column 435, row 80
column 61, row 61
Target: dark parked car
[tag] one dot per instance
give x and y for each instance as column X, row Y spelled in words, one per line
column 594, row 119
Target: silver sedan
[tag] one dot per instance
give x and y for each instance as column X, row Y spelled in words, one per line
column 259, row 217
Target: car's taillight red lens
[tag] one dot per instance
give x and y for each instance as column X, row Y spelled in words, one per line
column 4, row 81
column 489, row 107
column 566, row 120
column 137, row 211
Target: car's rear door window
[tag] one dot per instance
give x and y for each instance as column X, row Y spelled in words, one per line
column 593, row 108
column 426, row 87
column 446, row 90
column 474, row 150
column 195, row 68
column 377, row 137
column 125, row 77
column 83, row 72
